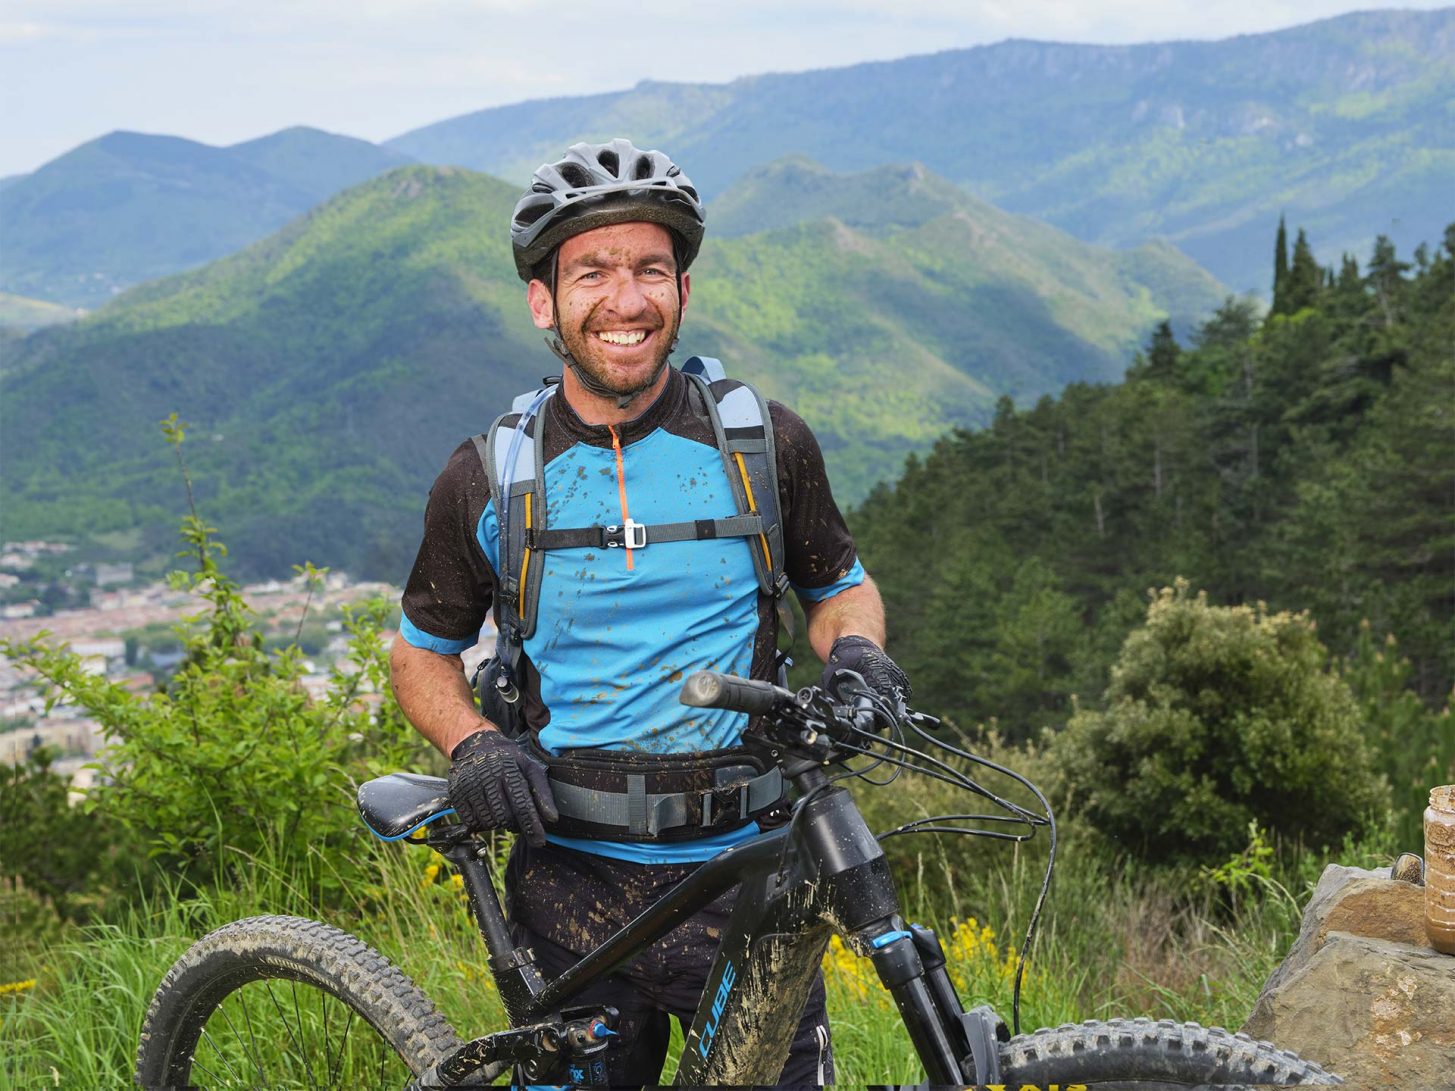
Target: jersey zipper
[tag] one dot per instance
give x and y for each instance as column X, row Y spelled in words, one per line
column 621, row 490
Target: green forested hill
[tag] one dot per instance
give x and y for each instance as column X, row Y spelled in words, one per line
column 128, row 207
column 1345, row 124
column 1306, row 460
column 329, row 370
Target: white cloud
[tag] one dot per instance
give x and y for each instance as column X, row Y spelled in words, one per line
column 11, row 31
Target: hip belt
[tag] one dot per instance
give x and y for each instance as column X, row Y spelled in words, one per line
column 617, row 795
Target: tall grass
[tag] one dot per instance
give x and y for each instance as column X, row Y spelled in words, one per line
column 1112, row 943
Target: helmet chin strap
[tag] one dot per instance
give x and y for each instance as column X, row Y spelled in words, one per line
column 591, row 383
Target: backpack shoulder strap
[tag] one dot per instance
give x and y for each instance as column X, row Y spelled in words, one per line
column 744, row 433
column 512, row 453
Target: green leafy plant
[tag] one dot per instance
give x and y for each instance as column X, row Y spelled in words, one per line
column 236, row 754
column 1218, row 717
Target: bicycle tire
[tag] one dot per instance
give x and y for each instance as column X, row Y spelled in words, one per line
column 337, row 969
column 1147, row 1053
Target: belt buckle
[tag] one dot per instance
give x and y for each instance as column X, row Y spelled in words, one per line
column 723, row 794
column 631, row 534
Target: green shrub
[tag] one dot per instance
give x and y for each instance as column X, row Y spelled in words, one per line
column 234, row 757
column 1217, row 717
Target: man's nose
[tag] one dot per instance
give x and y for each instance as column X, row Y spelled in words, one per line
column 627, row 296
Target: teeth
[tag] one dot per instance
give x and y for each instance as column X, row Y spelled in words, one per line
column 622, row 337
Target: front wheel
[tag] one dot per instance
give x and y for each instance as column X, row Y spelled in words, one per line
column 1143, row 1053
column 287, row 1002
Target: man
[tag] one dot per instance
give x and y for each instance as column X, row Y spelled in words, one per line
column 603, row 239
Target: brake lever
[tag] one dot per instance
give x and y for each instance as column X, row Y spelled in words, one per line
column 922, row 720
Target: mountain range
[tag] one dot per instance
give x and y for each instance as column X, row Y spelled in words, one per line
column 328, row 370
column 1343, row 125
column 130, row 207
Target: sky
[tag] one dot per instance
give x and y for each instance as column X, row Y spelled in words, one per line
column 222, row 71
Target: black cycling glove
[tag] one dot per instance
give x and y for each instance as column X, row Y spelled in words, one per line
column 867, row 659
column 495, row 785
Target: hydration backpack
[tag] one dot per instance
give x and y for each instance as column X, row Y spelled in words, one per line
column 512, row 453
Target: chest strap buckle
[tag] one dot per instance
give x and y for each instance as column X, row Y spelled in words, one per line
column 632, row 535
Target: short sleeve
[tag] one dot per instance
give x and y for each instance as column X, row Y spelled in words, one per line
column 451, row 585
column 820, row 556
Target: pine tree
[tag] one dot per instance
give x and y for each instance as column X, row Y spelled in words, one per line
column 1386, row 279
column 1163, row 353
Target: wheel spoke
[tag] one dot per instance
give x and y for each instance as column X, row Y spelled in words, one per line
column 333, row 1069
column 242, row 997
column 196, row 1064
column 206, row 1037
column 297, row 1045
column 238, row 1038
column 323, row 1003
column 293, row 987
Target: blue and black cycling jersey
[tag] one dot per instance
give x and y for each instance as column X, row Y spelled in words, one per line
column 616, row 634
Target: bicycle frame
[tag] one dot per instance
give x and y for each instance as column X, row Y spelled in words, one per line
column 822, row 873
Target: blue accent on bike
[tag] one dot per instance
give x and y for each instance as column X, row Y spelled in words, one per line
column 889, row 937
column 719, row 1003
column 412, row 829
column 601, row 1030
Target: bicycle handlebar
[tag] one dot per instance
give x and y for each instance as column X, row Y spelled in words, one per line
column 709, row 689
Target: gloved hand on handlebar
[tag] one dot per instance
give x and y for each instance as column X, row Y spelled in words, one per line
column 868, row 660
column 495, row 785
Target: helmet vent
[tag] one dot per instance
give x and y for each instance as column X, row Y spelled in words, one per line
column 575, row 175
column 595, row 185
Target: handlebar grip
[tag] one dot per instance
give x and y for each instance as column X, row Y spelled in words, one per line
column 709, row 689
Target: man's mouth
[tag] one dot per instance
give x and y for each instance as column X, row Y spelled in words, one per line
column 622, row 337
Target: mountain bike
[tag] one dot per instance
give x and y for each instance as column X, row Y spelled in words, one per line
column 278, row 1000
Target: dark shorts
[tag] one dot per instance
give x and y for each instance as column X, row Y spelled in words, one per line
column 562, row 903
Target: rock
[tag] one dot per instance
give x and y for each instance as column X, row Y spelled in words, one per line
column 1361, row 991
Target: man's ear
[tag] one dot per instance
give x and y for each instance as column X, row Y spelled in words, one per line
column 686, row 289
column 542, row 305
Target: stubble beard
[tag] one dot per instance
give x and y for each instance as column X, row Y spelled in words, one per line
column 581, row 343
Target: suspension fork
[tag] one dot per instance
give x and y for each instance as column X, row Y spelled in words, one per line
column 922, row 992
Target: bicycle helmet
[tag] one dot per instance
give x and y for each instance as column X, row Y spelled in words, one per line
column 600, row 184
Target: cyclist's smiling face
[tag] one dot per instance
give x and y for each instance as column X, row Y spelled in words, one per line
column 617, row 303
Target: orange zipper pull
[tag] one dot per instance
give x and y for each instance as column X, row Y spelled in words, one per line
column 621, row 489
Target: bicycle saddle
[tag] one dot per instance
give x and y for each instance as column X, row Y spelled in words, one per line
column 396, row 805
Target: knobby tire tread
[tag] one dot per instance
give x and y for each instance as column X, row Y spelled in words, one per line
column 1164, row 1051
column 284, row 948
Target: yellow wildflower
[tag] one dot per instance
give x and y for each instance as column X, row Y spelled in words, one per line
column 17, row 986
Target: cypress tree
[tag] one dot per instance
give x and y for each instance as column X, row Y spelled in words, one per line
column 1280, row 268
column 1304, row 278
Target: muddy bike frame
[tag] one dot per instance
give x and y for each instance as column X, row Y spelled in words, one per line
column 823, row 872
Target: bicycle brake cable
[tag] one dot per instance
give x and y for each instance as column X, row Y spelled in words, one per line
column 1050, row 823
column 1014, row 814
